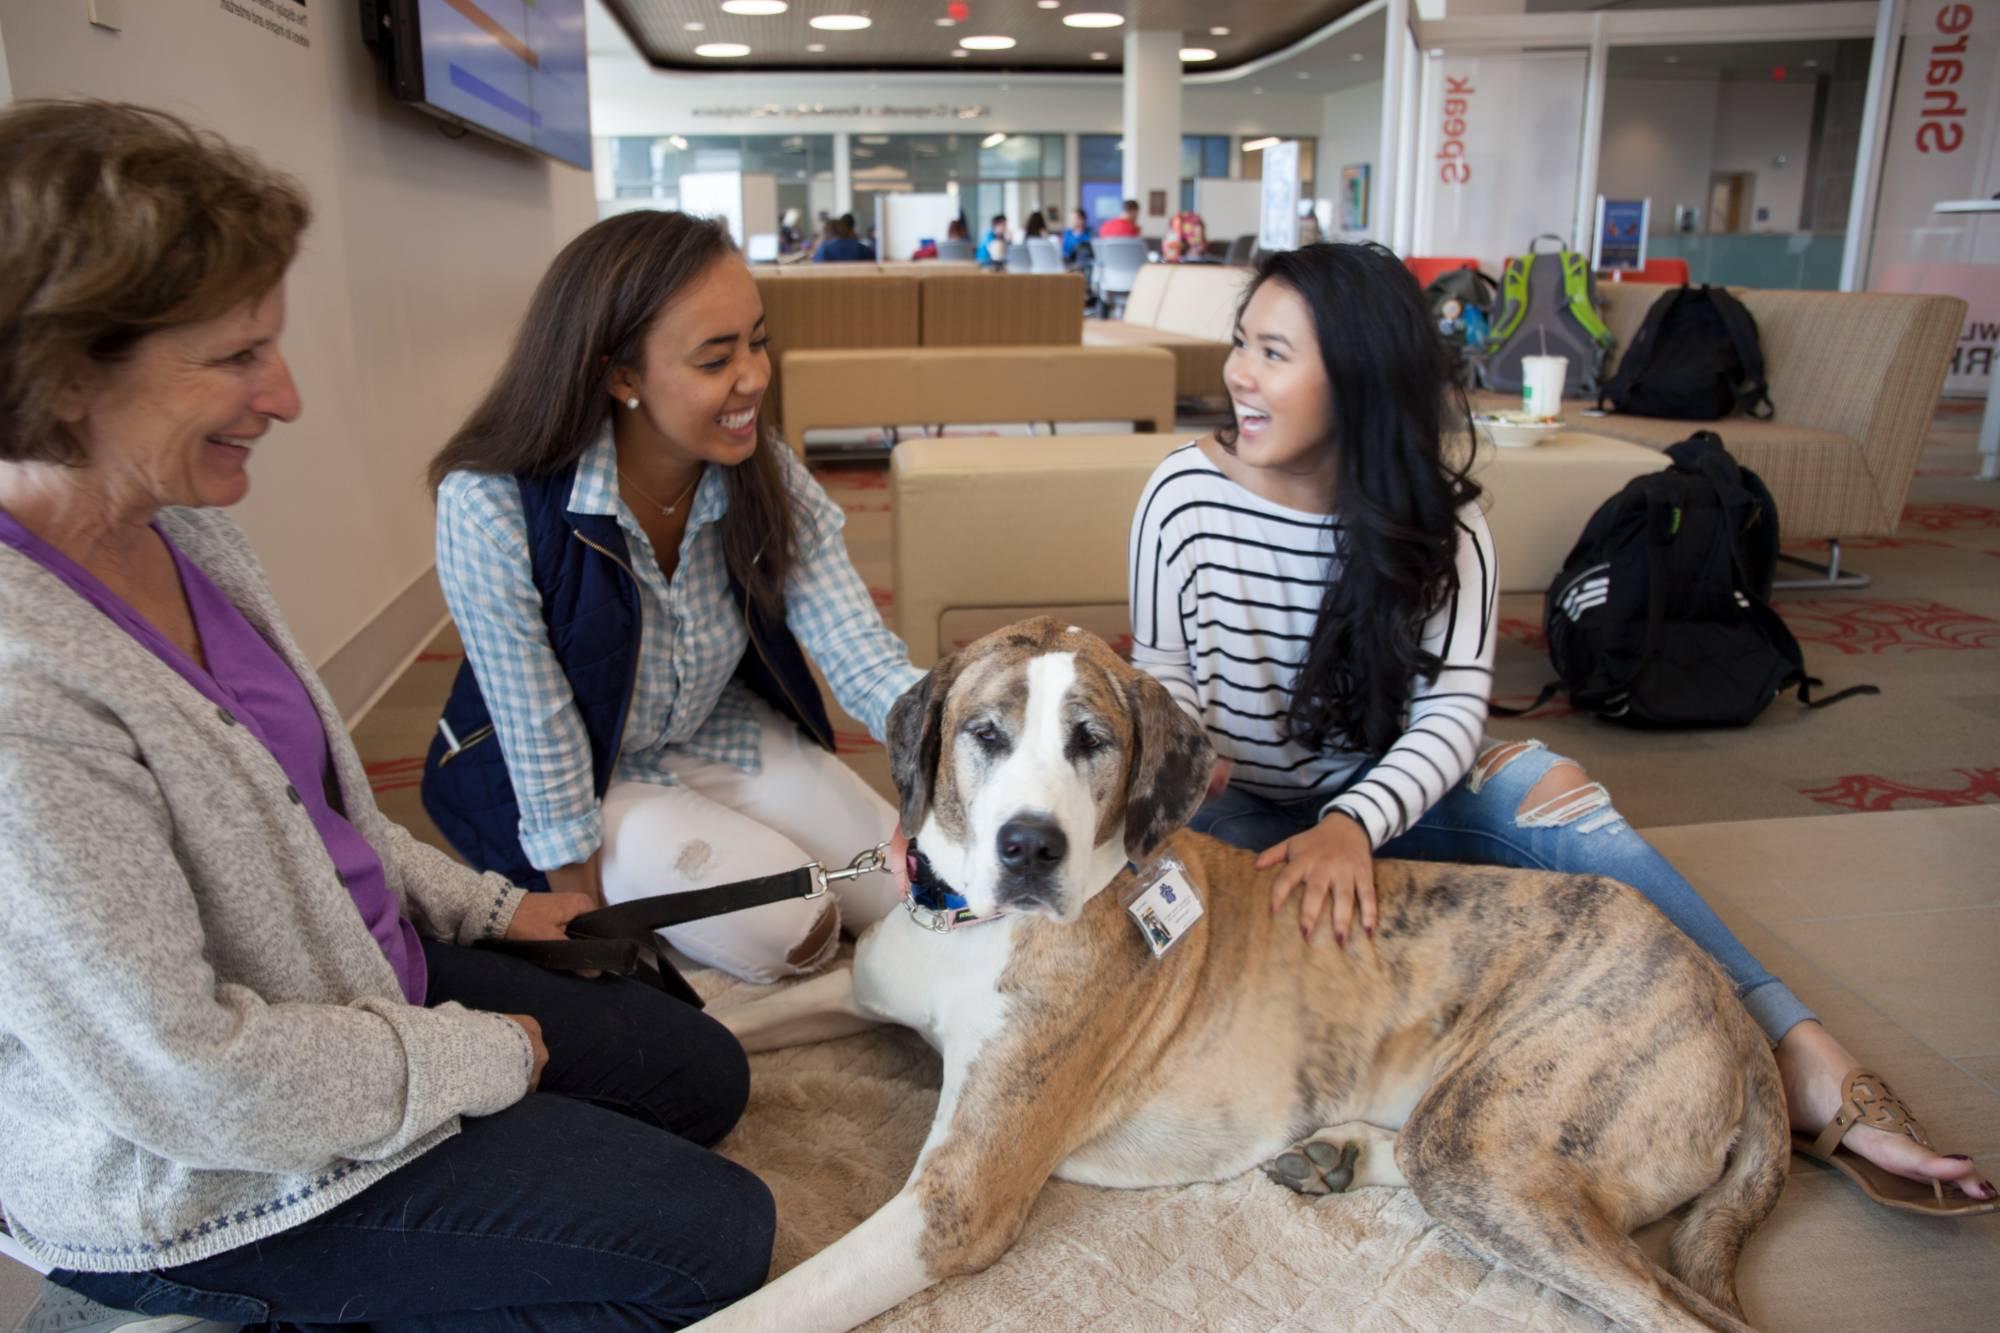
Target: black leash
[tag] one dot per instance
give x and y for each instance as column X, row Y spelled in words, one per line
column 622, row 940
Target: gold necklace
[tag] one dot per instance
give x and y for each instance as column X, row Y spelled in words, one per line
column 665, row 510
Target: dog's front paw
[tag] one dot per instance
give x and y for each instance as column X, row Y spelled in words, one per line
column 1315, row 1167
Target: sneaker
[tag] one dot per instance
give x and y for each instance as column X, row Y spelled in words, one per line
column 61, row 1310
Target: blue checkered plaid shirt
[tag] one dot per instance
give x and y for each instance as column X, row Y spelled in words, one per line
column 687, row 701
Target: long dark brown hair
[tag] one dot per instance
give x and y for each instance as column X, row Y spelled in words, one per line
column 1396, row 493
column 589, row 316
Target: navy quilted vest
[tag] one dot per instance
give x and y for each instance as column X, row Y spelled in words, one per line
column 590, row 599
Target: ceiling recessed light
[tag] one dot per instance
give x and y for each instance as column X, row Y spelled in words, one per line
column 876, row 139
column 1259, row 145
column 1093, row 20
column 986, row 43
column 946, row 22
column 754, row 8
column 1194, row 55
column 722, row 50
column 994, row 140
column 1304, row 74
column 1048, row 4
column 1358, row 56
column 694, row 27
column 1100, row 55
column 815, row 47
column 1218, row 32
column 841, row 22
column 960, row 54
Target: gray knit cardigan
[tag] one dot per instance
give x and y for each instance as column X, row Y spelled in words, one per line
column 200, row 1042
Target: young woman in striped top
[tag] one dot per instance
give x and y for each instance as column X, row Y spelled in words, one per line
column 1317, row 585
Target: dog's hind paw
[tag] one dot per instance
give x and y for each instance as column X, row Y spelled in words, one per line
column 1315, row 1167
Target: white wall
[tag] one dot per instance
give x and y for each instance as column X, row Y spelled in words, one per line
column 1755, row 124
column 1659, row 139
column 421, row 257
column 1350, row 134
column 1664, row 137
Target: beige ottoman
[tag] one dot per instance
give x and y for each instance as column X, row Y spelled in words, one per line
column 1537, row 499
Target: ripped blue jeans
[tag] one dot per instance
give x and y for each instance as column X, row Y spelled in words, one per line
column 1482, row 821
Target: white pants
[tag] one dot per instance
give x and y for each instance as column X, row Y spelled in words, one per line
column 722, row 824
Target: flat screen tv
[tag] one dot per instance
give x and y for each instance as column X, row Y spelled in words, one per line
column 512, row 69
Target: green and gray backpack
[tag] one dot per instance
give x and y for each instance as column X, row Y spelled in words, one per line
column 1547, row 306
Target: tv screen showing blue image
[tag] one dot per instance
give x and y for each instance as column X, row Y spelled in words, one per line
column 513, row 68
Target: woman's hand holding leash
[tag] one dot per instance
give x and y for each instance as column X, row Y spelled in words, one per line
column 1333, row 860
column 546, row 916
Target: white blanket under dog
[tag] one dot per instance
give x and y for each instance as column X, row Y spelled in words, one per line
column 834, row 1129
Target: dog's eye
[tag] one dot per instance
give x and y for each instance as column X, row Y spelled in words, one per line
column 1083, row 740
column 985, row 733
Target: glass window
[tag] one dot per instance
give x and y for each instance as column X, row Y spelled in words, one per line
column 1100, row 157
column 650, row 167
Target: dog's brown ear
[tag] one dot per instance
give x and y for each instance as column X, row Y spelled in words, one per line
column 1168, row 776
column 914, row 733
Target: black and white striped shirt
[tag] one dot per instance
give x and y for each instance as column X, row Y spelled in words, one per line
column 1225, row 588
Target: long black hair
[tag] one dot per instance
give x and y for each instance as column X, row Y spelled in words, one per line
column 1396, row 496
column 589, row 316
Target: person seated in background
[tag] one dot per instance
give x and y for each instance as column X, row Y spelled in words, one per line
column 841, row 246
column 954, row 231
column 790, row 241
column 251, row 1068
column 993, row 249
column 1036, row 228
column 1187, row 239
column 1077, row 234
column 1125, row 225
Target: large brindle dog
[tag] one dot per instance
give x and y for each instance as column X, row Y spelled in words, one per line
column 1543, row 1058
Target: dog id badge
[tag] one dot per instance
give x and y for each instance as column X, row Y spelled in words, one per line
column 1163, row 904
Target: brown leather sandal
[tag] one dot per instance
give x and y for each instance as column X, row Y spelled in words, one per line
column 1867, row 1100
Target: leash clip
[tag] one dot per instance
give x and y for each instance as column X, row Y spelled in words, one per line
column 864, row 863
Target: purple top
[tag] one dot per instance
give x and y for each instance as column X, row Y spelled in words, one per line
column 254, row 686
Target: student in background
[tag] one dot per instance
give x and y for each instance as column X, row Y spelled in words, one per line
column 1077, row 234
column 992, row 249
column 1125, row 225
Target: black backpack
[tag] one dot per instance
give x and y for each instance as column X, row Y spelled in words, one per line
column 1659, row 617
column 1696, row 358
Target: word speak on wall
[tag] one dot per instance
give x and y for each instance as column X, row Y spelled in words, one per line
column 1453, row 168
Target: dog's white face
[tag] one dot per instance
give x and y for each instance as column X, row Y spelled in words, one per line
column 1034, row 764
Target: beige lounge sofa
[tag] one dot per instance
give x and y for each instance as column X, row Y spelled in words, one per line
column 931, row 386
column 876, row 306
column 1189, row 309
column 1854, row 379
column 961, row 566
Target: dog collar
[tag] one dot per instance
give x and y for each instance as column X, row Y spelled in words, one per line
column 934, row 904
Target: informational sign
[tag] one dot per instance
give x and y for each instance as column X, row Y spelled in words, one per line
column 1619, row 239
column 1501, row 139
column 1280, row 225
column 1944, row 144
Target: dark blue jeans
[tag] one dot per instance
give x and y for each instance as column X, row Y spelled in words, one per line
column 590, row 1204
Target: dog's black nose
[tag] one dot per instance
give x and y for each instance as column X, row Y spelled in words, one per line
column 1032, row 844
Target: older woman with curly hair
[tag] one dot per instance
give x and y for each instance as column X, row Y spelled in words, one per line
column 251, row 1068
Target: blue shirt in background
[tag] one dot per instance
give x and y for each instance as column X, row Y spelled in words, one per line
column 1072, row 239
column 843, row 250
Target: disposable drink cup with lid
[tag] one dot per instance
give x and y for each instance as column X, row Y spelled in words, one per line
column 1542, row 384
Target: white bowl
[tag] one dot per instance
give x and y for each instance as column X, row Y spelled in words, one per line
column 1514, row 432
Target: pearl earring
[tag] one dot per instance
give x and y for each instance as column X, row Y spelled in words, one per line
column 632, row 403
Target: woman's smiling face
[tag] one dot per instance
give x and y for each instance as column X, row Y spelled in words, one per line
column 1278, row 385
